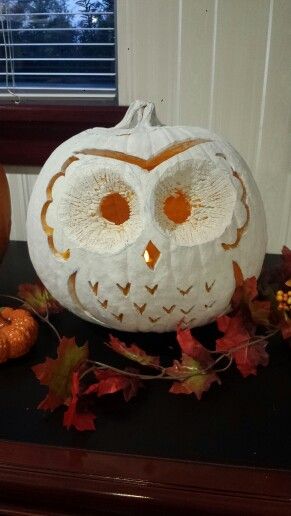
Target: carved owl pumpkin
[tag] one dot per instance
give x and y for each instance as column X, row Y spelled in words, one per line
column 136, row 227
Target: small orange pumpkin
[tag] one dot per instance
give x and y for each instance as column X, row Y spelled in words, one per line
column 18, row 333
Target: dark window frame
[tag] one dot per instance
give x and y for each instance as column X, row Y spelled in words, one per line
column 29, row 133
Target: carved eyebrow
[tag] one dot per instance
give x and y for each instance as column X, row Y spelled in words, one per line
column 150, row 163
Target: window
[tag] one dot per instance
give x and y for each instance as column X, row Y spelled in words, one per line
column 57, row 49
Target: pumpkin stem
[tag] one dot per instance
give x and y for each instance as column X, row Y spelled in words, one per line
column 141, row 113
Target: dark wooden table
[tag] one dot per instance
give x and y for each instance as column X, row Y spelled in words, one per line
column 229, row 454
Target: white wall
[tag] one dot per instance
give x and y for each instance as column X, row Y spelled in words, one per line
column 21, row 186
column 221, row 64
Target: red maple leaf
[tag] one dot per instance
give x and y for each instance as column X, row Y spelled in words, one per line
column 79, row 420
column 110, row 382
column 237, row 335
column 133, row 352
column 37, row 296
column 244, row 299
column 50, row 402
column 192, row 347
column 191, row 377
column 260, row 312
column 56, row 373
column 276, row 278
column 248, row 359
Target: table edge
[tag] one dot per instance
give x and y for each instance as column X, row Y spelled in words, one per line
column 109, row 479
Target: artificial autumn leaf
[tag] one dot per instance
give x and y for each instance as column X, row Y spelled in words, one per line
column 133, row 352
column 192, row 347
column 245, row 290
column 249, row 358
column 57, row 373
column 284, row 325
column 237, row 335
column 286, row 330
column 244, row 298
column 80, row 420
column 195, row 384
column 110, row 382
column 193, row 380
column 286, row 263
column 37, row 296
column 276, row 278
column 50, row 402
column 260, row 312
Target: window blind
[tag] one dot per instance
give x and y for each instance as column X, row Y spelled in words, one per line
column 56, row 49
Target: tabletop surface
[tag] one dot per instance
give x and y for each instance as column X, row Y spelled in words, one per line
column 244, row 422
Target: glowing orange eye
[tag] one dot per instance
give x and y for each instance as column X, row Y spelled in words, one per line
column 114, row 207
column 177, row 207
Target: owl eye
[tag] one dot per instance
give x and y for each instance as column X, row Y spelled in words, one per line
column 114, row 207
column 177, row 207
column 99, row 210
column 193, row 202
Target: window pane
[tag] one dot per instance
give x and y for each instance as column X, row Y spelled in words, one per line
column 67, row 46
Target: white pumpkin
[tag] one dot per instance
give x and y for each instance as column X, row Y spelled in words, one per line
column 136, row 227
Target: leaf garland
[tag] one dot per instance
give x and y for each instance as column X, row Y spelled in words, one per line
column 74, row 380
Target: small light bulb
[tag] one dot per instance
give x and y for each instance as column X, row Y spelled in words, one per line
column 146, row 256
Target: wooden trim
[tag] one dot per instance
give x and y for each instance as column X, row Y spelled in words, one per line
column 59, row 480
column 28, row 134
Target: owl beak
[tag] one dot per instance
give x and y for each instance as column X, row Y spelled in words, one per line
column 151, row 255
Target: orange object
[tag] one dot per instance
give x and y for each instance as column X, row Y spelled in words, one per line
column 177, row 207
column 18, row 333
column 5, row 212
column 114, row 207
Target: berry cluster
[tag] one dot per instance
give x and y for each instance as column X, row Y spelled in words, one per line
column 284, row 300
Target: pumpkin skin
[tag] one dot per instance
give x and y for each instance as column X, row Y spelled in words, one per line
column 18, row 333
column 5, row 212
column 136, row 227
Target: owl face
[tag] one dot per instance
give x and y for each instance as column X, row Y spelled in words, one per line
column 143, row 244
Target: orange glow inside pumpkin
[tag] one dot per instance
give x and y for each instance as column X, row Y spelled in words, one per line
column 177, row 207
column 114, row 207
column 151, row 255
